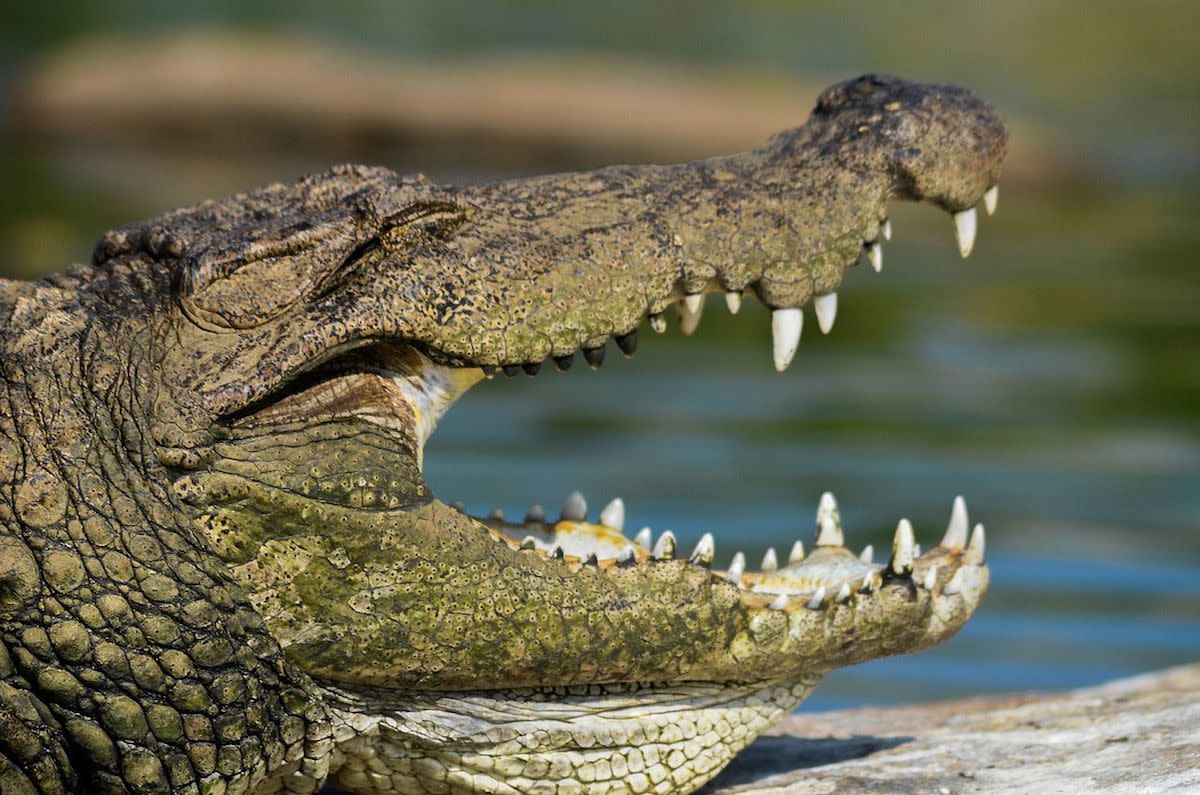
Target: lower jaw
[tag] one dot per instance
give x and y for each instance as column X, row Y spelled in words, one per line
column 585, row 739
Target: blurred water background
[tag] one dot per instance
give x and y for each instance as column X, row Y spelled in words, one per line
column 1053, row 378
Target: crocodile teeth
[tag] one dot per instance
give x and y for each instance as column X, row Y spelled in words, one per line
column 955, row 584
column 902, row 550
column 690, row 311
column 964, row 226
column 536, row 513
column 575, row 508
column 868, row 554
column 591, row 560
column 886, row 229
column 658, row 323
column 826, row 307
column 613, row 514
column 817, row 599
column 786, row 325
column 797, row 553
column 975, row 548
column 628, row 343
column 956, row 531
column 916, row 550
column 529, row 542
column 628, row 557
column 736, row 569
column 991, row 199
column 769, row 561
column 665, row 548
column 868, row 581
column 843, row 593
column 829, row 522
column 702, row 555
column 733, row 300
column 779, row 602
column 644, row 538
column 875, row 255
column 930, row 578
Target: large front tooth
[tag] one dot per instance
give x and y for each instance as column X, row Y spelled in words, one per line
column 826, row 306
column 964, row 226
column 886, row 229
column 829, row 522
column 875, row 255
column 736, row 569
column 575, row 507
column 901, row 563
column 689, row 313
column 644, row 538
column 991, row 199
column 769, row 561
column 613, row 514
column 975, row 548
column 664, row 549
column 786, row 325
column 733, row 300
column 797, row 553
column 956, row 531
column 702, row 555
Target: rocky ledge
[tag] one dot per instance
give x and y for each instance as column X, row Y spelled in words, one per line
column 1139, row 735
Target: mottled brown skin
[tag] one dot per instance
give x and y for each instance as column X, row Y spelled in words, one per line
column 134, row 479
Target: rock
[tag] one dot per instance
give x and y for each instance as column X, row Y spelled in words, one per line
column 1139, row 735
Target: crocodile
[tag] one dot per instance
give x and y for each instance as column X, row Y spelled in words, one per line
column 222, row 571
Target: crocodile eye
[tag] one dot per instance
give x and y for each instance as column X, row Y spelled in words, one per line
column 234, row 283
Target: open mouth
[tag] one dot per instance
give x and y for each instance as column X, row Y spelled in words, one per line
column 400, row 392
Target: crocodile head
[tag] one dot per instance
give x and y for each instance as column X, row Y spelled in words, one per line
column 282, row 356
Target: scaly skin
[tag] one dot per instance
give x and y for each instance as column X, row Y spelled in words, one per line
column 221, row 569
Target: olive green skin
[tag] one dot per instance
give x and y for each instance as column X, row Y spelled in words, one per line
column 135, row 511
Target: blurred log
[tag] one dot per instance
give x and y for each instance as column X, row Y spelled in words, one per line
column 228, row 92
column 1139, row 735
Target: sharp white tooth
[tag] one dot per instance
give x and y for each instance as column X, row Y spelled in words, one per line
column 613, row 514
column 658, row 323
column 868, row 554
column 902, row 549
column 779, row 603
column 690, row 310
column 930, row 578
column 843, row 593
column 829, row 522
column 736, row 569
column 964, row 226
column 797, row 553
column 644, row 538
column 786, row 325
column 627, row 557
column 868, row 581
column 975, row 548
column 886, row 229
column 826, row 307
column 733, row 300
column 955, row 584
column 916, row 550
column 529, row 542
column 770, row 562
column 575, row 508
column 665, row 548
column 991, row 199
column 817, row 599
column 956, row 531
column 875, row 255
column 702, row 555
